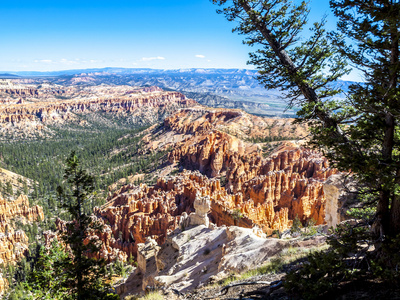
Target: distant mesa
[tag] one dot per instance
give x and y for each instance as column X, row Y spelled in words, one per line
column 8, row 76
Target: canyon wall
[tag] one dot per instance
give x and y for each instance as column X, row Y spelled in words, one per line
column 244, row 188
column 47, row 112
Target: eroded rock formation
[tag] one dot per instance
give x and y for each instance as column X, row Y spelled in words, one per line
column 14, row 243
column 18, row 208
column 194, row 257
column 340, row 192
column 290, row 180
column 52, row 111
column 265, row 192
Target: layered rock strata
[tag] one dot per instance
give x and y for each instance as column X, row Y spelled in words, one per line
column 18, row 208
column 55, row 110
column 19, row 91
column 289, row 181
column 135, row 213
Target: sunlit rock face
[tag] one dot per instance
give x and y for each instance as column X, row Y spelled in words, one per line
column 58, row 110
column 267, row 192
column 14, row 243
column 270, row 199
column 26, row 110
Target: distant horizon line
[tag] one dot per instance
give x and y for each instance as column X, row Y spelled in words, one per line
column 125, row 68
column 122, row 70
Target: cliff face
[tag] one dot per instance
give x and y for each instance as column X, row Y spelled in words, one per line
column 47, row 112
column 264, row 192
column 289, row 181
column 19, row 91
column 18, row 208
column 14, row 244
column 29, row 114
column 235, row 122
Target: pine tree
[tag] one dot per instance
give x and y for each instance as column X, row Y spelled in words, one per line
column 47, row 277
column 84, row 275
column 374, row 29
column 359, row 133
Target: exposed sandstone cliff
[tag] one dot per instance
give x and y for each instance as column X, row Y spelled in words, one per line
column 267, row 192
column 18, row 208
column 19, row 91
column 3, row 284
column 29, row 116
column 290, row 180
column 51, row 111
column 134, row 213
column 14, row 244
column 235, row 122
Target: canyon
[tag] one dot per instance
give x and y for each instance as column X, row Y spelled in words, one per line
column 244, row 188
column 250, row 171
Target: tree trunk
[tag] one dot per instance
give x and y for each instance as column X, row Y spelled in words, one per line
column 380, row 227
column 394, row 223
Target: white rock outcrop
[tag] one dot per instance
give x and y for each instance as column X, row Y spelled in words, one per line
column 189, row 258
column 202, row 206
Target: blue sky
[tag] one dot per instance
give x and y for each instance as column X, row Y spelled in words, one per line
column 42, row 35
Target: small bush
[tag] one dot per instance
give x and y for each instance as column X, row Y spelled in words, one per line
column 296, row 227
column 236, row 214
column 320, row 275
column 206, row 251
column 310, row 228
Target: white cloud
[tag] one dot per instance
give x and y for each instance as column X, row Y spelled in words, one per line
column 68, row 62
column 46, row 61
column 199, row 56
column 152, row 58
column 63, row 61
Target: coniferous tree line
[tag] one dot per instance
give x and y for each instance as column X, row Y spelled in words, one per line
column 111, row 154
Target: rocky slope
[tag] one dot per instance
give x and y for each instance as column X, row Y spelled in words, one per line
column 194, row 256
column 243, row 187
column 14, row 243
column 17, row 182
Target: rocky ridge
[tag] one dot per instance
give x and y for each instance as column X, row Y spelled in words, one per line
column 290, row 180
column 57, row 104
column 51, row 111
